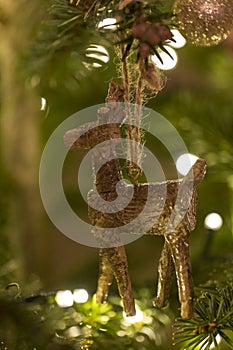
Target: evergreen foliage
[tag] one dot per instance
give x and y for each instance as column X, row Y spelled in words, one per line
column 213, row 320
column 72, row 26
column 92, row 326
column 81, row 326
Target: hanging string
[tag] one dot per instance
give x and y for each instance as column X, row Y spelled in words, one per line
column 136, row 171
column 127, row 97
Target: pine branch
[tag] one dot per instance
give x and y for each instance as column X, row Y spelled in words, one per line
column 72, row 26
column 63, row 38
column 213, row 321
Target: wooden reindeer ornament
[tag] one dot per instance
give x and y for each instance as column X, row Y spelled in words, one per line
column 173, row 216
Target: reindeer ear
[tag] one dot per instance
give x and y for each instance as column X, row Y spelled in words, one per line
column 197, row 172
column 82, row 137
column 70, row 138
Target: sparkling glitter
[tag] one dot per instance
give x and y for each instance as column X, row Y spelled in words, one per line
column 204, row 23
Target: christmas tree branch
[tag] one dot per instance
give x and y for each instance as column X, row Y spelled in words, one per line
column 212, row 321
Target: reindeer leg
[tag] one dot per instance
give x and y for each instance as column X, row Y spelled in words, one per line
column 166, row 271
column 113, row 262
column 105, row 277
column 118, row 260
column 178, row 242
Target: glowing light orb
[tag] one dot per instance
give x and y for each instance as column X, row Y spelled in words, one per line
column 64, row 298
column 99, row 53
column 168, row 62
column 213, row 221
column 185, row 162
column 178, row 37
column 134, row 319
column 108, row 23
column 43, row 104
column 80, row 296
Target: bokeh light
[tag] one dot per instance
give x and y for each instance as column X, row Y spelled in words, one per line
column 80, row 296
column 64, row 298
column 184, row 163
column 107, row 23
column 180, row 41
column 213, row 221
column 218, row 339
column 99, row 53
column 134, row 319
column 43, row 104
column 168, row 62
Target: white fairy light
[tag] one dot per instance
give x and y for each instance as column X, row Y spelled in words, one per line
column 96, row 65
column 213, row 221
column 184, row 163
column 80, row 296
column 64, row 298
column 168, row 62
column 108, row 23
column 138, row 317
column 43, row 104
column 121, row 333
column 218, row 339
column 73, row 332
column 99, row 53
column 180, row 41
column 212, row 345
